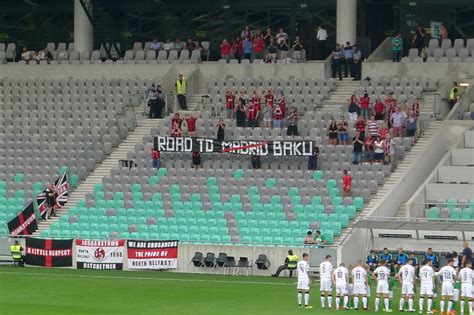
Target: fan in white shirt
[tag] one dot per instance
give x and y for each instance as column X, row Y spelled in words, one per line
column 340, row 278
column 448, row 276
column 407, row 275
column 359, row 279
column 427, row 285
column 466, row 275
column 325, row 273
column 382, row 274
column 303, row 281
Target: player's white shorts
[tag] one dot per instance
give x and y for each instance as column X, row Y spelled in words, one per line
column 426, row 289
column 303, row 285
column 382, row 287
column 447, row 289
column 342, row 289
column 360, row 288
column 407, row 288
column 466, row 290
column 326, row 285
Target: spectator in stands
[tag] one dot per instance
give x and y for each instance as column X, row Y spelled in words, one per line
column 319, row 238
column 168, row 45
column 176, row 130
column 240, row 113
column 281, row 36
column 389, row 151
column 321, row 37
column 268, row 112
column 220, row 130
column 282, row 103
column 410, row 126
column 283, row 48
column 237, row 48
column 152, row 102
column 229, row 104
column 178, row 45
column 290, row 264
column 373, row 127
column 466, row 254
column 346, row 183
column 414, row 261
column 357, row 142
column 255, row 162
column 383, row 131
column 342, row 130
column 415, row 107
column 246, row 32
column 379, row 109
column 196, row 157
column 431, row 256
column 258, row 47
column 348, row 60
column 272, row 50
column 177, row 119
column 372, row 260
column 309, row 240
column 268, row 37
column 293, row 123
column 387, row 257
column 364, row 102
column 155, row 158
column 397, row 47
column 360, row 127
column 357, row 65
column 26, row 55
column 253, row 111
column 51, row 194
column 161, row 102
column 190, row 45
column 379, row 150
column 443, row 33
column 45, row 54
column 332, row 131
column 337, row 57
column 418, row 40
column 397, row 121
column 247, row 48
column 353, row 109
column 181, row 92
column 313, row 160
column 401, row 258
column 155, row 45
column 453, row 95
column 391, row 106
column 191, row 124
column 368, row 148
column 297, row 48
column 225, row 50
column 277, row 116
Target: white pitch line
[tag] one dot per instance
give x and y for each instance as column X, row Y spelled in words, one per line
column 144, row 278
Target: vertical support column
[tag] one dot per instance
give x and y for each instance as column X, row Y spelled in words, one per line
column 346, row 24
column 83, row 31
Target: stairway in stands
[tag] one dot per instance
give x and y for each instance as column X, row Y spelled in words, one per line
column 194, row 102
column 392, row 180
column 337, row 102
column 119, row 153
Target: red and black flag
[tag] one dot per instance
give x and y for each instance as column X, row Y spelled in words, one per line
column 62, row 187
column 48, row 253
column 24, row 223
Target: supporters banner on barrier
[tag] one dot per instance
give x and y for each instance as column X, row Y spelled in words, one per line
column 243, row 147
column 152, row 254
column 100, row 255
column 24, row 223
column 48, row 253
column 60, row 200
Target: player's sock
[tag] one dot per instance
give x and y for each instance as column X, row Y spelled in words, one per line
column 338, row 302
column 410, row 304
column 430, row 304
column 306, row 298
column 441, row 306
column 322, row 301
column 346, row 300
column 422, row 302
column 377, row 303
column 330, row 301
column 402, row 304
column 450, row 305
column 470, row 307
column 364, row 301
column 462, row 306
column 387, row 303
column 356, row 302
column 300, row 297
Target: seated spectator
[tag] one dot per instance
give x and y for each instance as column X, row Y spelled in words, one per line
column 353, row 109
column 155, row 45
column 293, row 123
column 319, row 238
column 26, row 55
column 379, row 150
column 364, row 102
column 360, row 127
column 358, row 144
column 401, row 258
column 191, row 124
column 155, row 157
column 255, row 161
column 258, row 47
column 414, row 261
column 297, row 48
column 431, row 256
column 229, row 104
column 283, row 47
column 220, row 130
column 272, row 50
column 372, row 260
column 191, row 45
column 196, row 160
column 332, row 131
column 368, row 149
column 308, row 240
column 240, row 113
column 247, row 48
column 45, row 54
column 237, row 49
column 290, row 264
column 225, row 50
column 373, row 127
column 346, row 183
column 178, row 45
column 267, row 59
column 379, row 109
column 313, row 160
column 387, row 257
column 389, row 151
column 342, row 130
column 410, row 126
column 168, row 45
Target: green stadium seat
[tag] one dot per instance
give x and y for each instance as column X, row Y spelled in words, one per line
column 270, row 182
column 471, row 204
column 358, row 203
column 344, row 219
column 74, row 180
column 162, row 171
column 451, row 203
column 336, row 228
column 293, row 191
column 316, row 200
column 455, row 214
column 433, row 213
column 328, row 236
column 331, row 183
column 238, row 173
column 19, row 178
column 336, row 201
column 63, row 169
column 466, row 214
column 211, row 181
column 98, row 187
column 318, row 175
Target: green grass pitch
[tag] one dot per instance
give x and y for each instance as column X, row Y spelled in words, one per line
column 65, row 291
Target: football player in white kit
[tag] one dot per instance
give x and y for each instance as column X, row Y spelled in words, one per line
column 325, row 273
column 407, row 275
column 448, row 276
column 340, row 278
column 382, row 275
column 466, row 276
column 360, row 281
column 304, row 280
column 427, row 287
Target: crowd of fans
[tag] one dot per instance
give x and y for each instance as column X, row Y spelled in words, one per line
column 177, row 44
column 36, row 56
column 347, row 58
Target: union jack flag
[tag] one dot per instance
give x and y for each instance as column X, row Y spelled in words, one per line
column 62, row 186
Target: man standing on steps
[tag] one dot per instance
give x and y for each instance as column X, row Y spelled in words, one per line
column 181, row 92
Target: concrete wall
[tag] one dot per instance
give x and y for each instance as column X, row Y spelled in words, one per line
column 456, row 174
column 445, row 191
column 463, row 156
column 469, row 139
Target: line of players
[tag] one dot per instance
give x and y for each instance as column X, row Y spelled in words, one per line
column 355, row 284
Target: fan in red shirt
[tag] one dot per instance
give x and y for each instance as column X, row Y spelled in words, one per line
column 391, row 105
column 360, row 126
column 176, row 130
column 191, row 123
column 225, row 50
column 277, row 117
column 346, row 183
column 176, row 119
column 155, row 157
column 237, row 48
column 252, row 114
column 379, row 110
column 267, row 116
column 258, row 47
column 282, row 103
column 364, row 101
column 229, row 104
column 416, row 108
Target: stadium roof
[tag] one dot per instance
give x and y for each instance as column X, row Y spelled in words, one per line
column 413, row 224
